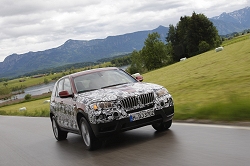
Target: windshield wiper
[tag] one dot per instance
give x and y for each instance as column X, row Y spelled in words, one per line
column 82, row 91
column 114, row 85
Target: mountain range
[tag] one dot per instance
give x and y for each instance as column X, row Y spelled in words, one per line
column 75, row 51
column 235, row 21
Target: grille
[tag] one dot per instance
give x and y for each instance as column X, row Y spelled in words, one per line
column 140, row 101
column 146, row 98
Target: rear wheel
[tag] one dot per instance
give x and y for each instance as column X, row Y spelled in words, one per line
column 89, row 139
column 58, row 133
column 162, row 126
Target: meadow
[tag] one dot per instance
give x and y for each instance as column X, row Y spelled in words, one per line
column 34, row 108
column 212, row 85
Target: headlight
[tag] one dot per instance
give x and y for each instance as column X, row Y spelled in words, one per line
column 162, row 92
column 102, row 105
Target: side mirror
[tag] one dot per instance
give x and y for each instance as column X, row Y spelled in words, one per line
column 65, row 94
column 138, row 77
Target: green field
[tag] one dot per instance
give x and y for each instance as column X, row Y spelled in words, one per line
column 211, row 86
column 33, row 108
column 29, row 81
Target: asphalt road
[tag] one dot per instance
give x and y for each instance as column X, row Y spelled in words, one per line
column 26, row 141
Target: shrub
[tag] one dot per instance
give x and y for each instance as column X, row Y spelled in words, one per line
column 27, row 97
column 203, row 47
column 46, row 81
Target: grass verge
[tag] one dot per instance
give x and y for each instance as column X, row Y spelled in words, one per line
column 238, row 109
column 35, row 108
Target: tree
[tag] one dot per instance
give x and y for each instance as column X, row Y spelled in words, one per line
column 192, row 35
column 172, row 41
column 171, row 37
column 136, row 63
column 203, row 47
column 5, row 84
column 46, row 81
column 154, row 54
column 121, row 61
column 201, row 29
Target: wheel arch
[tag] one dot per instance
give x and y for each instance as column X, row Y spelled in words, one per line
column 81, row 114
column 51, row 115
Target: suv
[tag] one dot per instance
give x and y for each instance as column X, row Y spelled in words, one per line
column 99, row 102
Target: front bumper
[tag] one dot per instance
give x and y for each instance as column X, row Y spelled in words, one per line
column 106, row 129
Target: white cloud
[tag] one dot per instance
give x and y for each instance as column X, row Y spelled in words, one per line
column 29, row 25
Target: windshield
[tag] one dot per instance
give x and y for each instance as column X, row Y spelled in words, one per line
column 102, row 79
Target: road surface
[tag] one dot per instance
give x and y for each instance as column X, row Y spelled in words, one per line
column 27, row 141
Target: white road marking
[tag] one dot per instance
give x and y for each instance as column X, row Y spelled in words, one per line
column 212, row 125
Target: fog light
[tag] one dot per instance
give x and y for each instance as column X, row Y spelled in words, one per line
column 95, row 107
column 162, row 103
column 115, row 114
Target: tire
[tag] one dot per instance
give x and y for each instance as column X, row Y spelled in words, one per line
column 162, row 126
column 89, row 139
column 58, row 133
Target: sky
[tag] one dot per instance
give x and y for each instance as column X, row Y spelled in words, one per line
column 37, row 25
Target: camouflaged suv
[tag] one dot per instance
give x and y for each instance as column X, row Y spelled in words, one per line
column 99, row 102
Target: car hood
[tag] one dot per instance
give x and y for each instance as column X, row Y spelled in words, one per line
column 116, row 92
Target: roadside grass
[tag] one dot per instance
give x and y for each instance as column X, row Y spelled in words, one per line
column 36, row 108
column 236, row 110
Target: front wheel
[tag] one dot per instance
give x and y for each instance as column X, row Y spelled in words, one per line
column 162, row 126
column 89, row 139
column 58, row 133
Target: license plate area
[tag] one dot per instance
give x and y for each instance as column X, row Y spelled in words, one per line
column 141, row 115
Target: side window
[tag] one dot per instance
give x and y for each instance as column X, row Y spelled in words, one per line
column 59, row 87
column 67, row 86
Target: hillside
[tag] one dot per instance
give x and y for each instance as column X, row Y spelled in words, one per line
column 216, row 82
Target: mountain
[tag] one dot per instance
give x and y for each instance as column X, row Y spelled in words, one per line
column 75, row 51
column 236, row 21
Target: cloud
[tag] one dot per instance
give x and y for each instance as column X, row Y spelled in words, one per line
column 29, row 25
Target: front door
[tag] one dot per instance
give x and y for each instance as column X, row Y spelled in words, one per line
column 65, row 112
